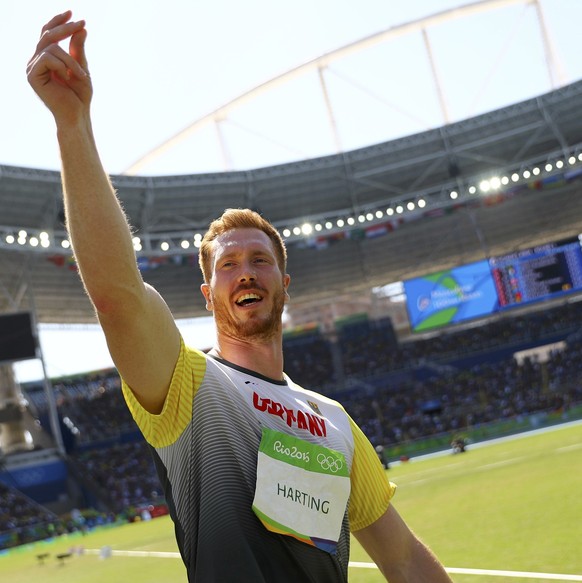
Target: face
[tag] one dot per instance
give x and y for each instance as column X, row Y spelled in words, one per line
column 247, row 291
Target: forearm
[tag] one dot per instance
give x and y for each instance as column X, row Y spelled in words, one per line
column 421, row 567
column 100, row 235
column 399, row 554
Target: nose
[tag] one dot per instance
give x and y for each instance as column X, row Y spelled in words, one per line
column 247, row 273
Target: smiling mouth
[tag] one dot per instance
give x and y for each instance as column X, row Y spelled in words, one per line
column 248, row 299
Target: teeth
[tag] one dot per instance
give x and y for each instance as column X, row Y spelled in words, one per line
column 248, row 297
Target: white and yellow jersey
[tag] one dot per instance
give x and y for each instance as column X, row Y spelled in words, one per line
column 263, row 478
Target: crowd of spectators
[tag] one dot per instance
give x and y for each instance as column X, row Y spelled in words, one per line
column 459, row 400
column 365, row 353
column 309, row 360
column 92, row 408
column 123, row 475
column 23, row 520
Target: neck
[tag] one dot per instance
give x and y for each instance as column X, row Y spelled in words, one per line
column 261, row 356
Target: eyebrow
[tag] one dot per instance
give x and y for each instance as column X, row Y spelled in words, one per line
column 236, row 252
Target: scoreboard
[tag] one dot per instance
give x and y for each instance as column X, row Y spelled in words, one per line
column 499, row 283
column 538, row 273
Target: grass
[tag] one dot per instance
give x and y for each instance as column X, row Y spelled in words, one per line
column 514, row 505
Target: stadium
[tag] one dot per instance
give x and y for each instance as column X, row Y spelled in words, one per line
column 436, row 287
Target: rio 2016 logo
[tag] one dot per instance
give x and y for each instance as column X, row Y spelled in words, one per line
column 292, row 452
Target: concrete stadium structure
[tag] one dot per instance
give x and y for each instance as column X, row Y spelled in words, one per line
column 504, row 146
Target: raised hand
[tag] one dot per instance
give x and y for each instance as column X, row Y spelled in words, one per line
column 60, row 78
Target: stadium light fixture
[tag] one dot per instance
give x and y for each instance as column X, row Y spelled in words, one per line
column 181, row 242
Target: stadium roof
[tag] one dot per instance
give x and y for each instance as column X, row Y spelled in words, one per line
column 496, row 207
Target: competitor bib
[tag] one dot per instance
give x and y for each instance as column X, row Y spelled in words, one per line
column 302, row 489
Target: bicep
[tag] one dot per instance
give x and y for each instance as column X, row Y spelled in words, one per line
column 144, row 343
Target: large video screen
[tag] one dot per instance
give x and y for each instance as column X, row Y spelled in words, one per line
column 484, row 287
column 539, row 273
column 450, row 296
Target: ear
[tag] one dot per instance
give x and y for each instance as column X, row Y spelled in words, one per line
column 286, row 282
column 205, row 289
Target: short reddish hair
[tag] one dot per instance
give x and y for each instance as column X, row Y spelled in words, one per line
column 239, row 219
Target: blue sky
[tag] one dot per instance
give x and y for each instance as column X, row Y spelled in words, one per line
column 157, row 67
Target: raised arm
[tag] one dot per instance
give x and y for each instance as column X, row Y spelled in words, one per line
column 399, row 554
column 141, row 334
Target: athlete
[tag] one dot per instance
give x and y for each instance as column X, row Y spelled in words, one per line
column 264, row 480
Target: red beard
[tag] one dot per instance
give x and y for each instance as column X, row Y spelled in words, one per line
column 257, row 327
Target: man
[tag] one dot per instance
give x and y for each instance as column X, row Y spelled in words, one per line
column 264, row 480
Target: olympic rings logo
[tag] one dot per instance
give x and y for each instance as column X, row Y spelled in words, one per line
column 329, row 463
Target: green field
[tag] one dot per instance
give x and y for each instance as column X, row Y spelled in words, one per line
column 510, row 506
